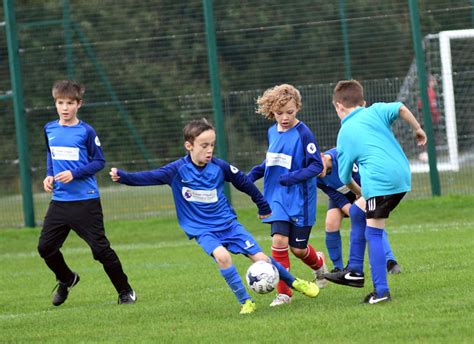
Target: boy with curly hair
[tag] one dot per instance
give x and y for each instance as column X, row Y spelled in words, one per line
column 289, row 173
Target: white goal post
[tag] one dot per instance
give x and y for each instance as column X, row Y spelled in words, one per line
column 445, row 38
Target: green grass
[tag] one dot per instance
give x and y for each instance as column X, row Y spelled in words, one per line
column 121, row 202
column 182, row 297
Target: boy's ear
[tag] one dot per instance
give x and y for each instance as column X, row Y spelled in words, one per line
column 188, row 145
column 79, row 103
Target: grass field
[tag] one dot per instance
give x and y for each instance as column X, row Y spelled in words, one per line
column 182, row 297
column 121, row 202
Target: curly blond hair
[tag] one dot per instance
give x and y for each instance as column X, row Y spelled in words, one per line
column 275, row 98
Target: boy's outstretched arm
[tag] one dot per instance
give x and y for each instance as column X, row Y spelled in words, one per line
column 408, row 116
column 163, row 175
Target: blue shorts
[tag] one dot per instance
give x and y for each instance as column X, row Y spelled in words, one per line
column 297, row 236
column 235, row 239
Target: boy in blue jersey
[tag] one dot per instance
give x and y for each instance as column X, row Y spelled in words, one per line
column 289, row 174
column 366, row 137
column 342, row 202
column 204, row 213
column 73, row 157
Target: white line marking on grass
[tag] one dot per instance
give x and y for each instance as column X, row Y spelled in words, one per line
column 58, row 312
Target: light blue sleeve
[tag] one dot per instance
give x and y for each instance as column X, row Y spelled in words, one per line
column 344, row 157
column 388, row 111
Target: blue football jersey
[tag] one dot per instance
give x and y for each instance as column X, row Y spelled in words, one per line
column 331, row 184
column 289, row 170
column 201, row 205
column 75, row 148
column 366, row 137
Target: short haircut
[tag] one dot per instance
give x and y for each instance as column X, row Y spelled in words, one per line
column 68, row 89
column 195, row 128
column 275, row 98
column 349, row 93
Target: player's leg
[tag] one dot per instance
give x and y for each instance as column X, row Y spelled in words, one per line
column 378, row 210
column 353, row 275
column 333, row 240
column 88, row 223
column 280, row 231
column 357, row 236
column 53, row 234
column 392, row 264
column 213, row 244
column 233, row 280
column 299, row 245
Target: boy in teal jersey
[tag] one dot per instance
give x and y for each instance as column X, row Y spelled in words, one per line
column 342, row 203
column 366, row 137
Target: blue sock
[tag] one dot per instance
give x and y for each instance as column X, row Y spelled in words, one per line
column 284, row 274
column 357, row 239
column 386, row 247
column 334, row 246
column 234, row 281
column 377, row 259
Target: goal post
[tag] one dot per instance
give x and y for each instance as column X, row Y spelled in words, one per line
column 445, row 38
column 450, row 61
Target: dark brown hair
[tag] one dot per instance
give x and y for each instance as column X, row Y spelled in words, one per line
column 195, row 128
column 68, row 89
column 349, row 93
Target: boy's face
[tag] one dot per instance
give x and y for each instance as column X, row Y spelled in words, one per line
column 67, row 110
column 286, row 116
column 202, row 148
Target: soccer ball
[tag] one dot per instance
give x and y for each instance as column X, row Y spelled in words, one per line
column 262, row 277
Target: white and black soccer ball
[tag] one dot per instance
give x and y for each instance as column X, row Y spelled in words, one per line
column 262, row 277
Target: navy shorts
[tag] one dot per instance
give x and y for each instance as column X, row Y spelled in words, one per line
column 379, row 207
column 297, row 236
column 235, row 239
column 350, row 197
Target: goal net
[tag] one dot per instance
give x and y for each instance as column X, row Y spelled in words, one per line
column 450, row 73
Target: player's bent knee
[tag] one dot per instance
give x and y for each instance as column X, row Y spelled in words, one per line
column 45, row 251
column 299, row 252
column 356, row 213
column 222, row 257
column 279, row 240
column 105, row 256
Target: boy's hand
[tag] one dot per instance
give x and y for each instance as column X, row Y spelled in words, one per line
column 64, row 177
column 114, row 175
column 420, row 137
column 48, row 183
column 264, row 216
